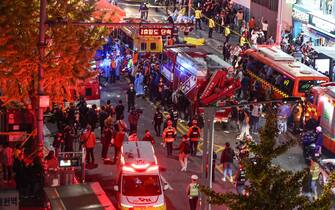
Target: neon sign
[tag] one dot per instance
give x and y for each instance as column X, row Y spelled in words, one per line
column 155, row 31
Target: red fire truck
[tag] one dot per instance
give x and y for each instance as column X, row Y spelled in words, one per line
column 199, row 75
column 321, row 105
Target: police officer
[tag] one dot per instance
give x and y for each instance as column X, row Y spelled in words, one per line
column 194, row 135
column 240, row 179
column 169, row 135
column 193, row 192
column 174, row 117
column 158, row 120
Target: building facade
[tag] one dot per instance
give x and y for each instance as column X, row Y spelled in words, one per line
column 316, row 19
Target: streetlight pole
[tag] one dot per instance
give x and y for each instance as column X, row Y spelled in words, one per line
column 279, row 22
column 40, row 92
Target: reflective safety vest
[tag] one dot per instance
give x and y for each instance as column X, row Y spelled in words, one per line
column 243, row 41
column 169, row 134
column 211, row 23
column 194, row 133
column 197, row 14
column 194, row 190
column 226, row 31
column 315, row 172
column 241, row 179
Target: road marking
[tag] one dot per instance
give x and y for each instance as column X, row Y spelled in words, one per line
column 165, row 182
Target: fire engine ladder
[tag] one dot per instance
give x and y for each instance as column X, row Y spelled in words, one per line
column 219, row 80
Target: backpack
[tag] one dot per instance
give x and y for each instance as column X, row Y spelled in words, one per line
column 187, row 148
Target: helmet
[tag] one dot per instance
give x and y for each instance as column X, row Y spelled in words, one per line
column 194, row 177
column 318, row 129
column 169, row 122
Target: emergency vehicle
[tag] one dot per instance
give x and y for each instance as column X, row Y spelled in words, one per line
column 203, row 77
column 321, row 105
column 139, row 181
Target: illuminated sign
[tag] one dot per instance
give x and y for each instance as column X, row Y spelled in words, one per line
column 322, row 24
column 155, row 31
column 300, row 15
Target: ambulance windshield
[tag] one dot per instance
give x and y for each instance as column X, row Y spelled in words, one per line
column 143, row 185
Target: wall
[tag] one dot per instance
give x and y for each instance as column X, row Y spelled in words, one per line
column 245, row 3
column 287, row 16
column 259, row 11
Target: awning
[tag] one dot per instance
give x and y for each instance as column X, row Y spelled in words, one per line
column 88, row 196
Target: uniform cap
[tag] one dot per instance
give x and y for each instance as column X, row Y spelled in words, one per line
column 319, row 129
column 194, row 177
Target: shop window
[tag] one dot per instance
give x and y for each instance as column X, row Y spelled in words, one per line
column 153, row 46
column 143, row 46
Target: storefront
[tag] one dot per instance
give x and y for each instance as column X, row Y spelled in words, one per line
column 317, row 25
column 325, row 61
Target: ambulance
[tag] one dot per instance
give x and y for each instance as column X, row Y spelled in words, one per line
column 139, row 182
column 321, row 105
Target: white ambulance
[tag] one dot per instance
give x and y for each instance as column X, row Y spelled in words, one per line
column 139, row 183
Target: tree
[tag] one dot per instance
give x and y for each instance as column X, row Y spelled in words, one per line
column 270, row 186
column 68, row 48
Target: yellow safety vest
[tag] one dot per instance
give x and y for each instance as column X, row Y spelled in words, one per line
column 197, row 14
column 211, row 23
column 243, row 41
column 194, row 189
column 226, row 31
column 315, row 172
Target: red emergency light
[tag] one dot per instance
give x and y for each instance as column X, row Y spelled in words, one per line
column 143, row 168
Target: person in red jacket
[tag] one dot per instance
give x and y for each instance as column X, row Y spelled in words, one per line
column 194, row 135
column 89, row 141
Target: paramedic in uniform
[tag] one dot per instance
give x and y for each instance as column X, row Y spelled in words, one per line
column 193, row 192
column 169, row 135
column 194, row 135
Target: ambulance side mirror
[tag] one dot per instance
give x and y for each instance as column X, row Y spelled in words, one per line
column 166, row 186
column 116, row 188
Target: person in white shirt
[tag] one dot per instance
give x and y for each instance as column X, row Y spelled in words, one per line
column 265, row 26
column 254, row 37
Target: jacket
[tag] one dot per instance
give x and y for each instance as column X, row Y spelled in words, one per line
column 7, row 156
column 169, row 134
column 194, row 133
column 227, row 155
column 88, row 138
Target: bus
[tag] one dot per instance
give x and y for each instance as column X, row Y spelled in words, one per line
column 142, row 44
column 280, row 73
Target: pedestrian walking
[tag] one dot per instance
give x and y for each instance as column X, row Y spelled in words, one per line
column 58, row 142
column 103, row 115
column 174, row 116
column 197, row 16
column 7, row 160
column 314, row 171
column 256, row 110
column 227, row 158
column 147, row 137
column 184, row 151
column 240, row 179
column 92, row 117
column 119, row 110
column 194, row 135
column 133, row 118
column 211, row 26
column 169, row 136
column 193, row 192
column 69, row 137
column 245, row 130
column 157, row 121
column 107, row 139
column 89, row 141
column 120, row 133
column 131, row 96
column 139, row 88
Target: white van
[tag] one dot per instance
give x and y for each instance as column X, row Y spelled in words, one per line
column 139, row 183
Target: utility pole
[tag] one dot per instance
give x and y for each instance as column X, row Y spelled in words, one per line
column 40, row 125
column 279, row 21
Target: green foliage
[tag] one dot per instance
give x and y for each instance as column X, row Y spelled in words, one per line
column 68, row 49
column 270, row 186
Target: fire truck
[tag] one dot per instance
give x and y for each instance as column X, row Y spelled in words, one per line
column 321, row 105
column 204, row 78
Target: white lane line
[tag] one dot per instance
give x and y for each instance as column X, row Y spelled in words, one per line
column 165, row 182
